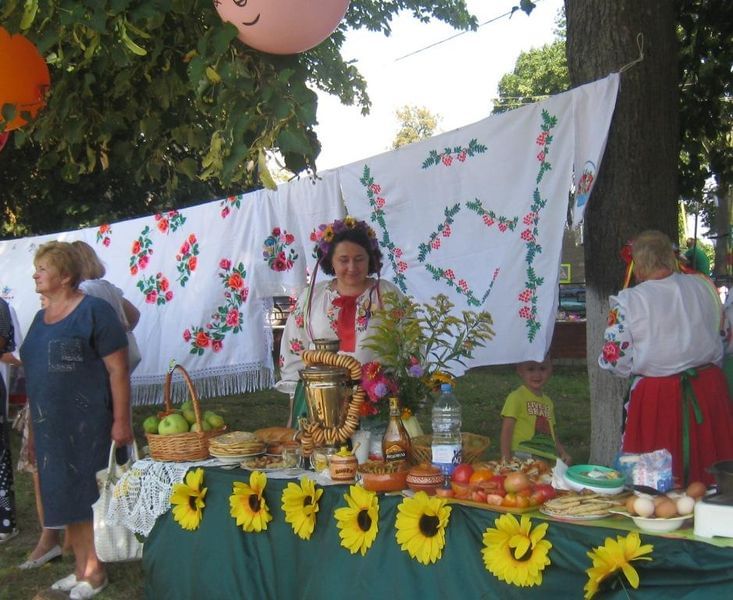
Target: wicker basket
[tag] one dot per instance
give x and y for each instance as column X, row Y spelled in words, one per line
column 473, row 444
column 182, row 447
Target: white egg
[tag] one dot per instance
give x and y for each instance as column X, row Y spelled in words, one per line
column 685, row 505
column 643, row 507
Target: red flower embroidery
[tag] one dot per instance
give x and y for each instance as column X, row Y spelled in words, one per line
column 611, row 352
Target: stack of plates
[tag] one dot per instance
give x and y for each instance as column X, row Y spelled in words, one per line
column 234, row 446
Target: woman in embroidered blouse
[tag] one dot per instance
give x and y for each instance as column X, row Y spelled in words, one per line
column 665, row 334
column 339, row 308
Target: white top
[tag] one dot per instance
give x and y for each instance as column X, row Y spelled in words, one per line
column 101, row 288
column 662, row 327
column 323, row 315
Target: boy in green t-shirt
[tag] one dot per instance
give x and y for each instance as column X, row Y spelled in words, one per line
column 528, row 416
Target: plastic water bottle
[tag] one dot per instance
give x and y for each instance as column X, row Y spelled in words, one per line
column 446, row 444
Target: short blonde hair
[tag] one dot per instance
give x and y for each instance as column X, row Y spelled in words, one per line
column 91, row 266
column 652, row 250
column 62, row 257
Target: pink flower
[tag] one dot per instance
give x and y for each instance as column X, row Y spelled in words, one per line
column 163, row 225
column 435, row 244
column 192, row 238
column 185, row 248
column 446, row 231
column 450, row 274
column 224, row 212
column 280, row 263
column 611, row 352
column 143, row 262
column 233, row 317
column 502, row 227
column 225, row 264
column 402, row 266
column 136, row 245
column 527, row 235
column 380, row 202
column 447, row 160
column 168, row 296
column 151, row 297
column 163, row 283
column 186, row 336
column 276, row 231
column 192, row 262
column 488, row 220
column 133, row 270
column 217, row 345
column 376, row 188
column 106, row 241
column 462, row 155
column 289, row 238
column 541, row 156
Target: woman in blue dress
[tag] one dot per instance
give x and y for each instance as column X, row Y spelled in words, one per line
column 75, row 359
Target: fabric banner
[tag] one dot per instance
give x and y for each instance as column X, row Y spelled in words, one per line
column 202, row 278
column 479, row 213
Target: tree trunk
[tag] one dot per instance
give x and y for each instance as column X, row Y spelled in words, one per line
column 722, row 228
column 636, row 187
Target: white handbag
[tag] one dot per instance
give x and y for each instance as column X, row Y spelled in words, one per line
column 113, row 542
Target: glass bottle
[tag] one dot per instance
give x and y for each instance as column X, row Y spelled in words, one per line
column 396, row 440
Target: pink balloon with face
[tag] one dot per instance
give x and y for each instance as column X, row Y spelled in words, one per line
column 283, row 26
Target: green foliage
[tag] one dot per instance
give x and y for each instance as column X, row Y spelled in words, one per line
column 537, row 74
column 416, row 123
column 156, row 103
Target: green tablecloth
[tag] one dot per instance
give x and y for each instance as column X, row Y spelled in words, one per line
column 219, row 560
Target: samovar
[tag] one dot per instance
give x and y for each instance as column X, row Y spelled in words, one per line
column 327, row 389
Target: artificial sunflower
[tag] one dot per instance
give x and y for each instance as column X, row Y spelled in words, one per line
column 300, row 504
column 613, row 556
column 188, row 500
column 515, row 552
column 421, row 523
column 359, row 521
column 248, row 505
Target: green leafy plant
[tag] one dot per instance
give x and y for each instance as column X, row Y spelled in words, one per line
column 419, row 345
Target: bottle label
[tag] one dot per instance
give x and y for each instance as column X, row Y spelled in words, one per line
column 447, row 456
column 394, row 452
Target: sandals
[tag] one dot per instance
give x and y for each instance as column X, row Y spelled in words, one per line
column 34, row 563
column 84, row 590
column 9, row 535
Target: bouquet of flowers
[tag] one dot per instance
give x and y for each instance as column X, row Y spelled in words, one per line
column 418, row 344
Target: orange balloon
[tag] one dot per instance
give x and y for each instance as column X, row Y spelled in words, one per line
column 283, row 26
column 24, row 78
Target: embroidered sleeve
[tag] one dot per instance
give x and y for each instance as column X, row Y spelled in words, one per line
column 293, row 343
column 617, row 353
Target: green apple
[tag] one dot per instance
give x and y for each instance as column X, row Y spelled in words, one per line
column 190, row 415
column 172, row 424
column 204, row 426
column 216, row 421
column 150, row 425
column 188, row 404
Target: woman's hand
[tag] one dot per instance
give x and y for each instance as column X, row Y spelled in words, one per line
column 121, row 433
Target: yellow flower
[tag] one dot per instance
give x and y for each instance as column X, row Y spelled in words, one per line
column 359, row 521
column 188, row 500
column 248, row 504
column 516, row 553
column 615, row 555
column 350, row 222
column 300, row 505
column 327, row 234
column 421, row 523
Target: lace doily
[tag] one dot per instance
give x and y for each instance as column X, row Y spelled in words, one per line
column 143, row 493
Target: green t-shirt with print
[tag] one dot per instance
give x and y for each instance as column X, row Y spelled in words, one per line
column 533, row 414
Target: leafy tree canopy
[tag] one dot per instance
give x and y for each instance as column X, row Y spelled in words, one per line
column 416, row 123
column 155, row 102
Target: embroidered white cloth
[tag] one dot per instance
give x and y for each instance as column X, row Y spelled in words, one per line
column 478, row 213
column 202, row 278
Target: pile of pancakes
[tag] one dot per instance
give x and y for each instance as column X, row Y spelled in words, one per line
column 236, row 444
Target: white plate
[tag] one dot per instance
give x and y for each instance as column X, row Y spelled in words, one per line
column 562, row 517
column 655, row 524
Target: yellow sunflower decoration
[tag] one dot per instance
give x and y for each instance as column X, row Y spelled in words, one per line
column 421, row 523
column 248, row 504
column 613, row 556
column 515, row 552
column 359, row 521
column 188, row 500
column 300, row 505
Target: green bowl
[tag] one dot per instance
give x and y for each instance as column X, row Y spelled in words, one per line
column 595, row 475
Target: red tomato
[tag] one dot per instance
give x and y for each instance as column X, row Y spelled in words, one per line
column 526, row 492
column 548, row 492
column 462, row 473
column 461, row 490
column 536, row 499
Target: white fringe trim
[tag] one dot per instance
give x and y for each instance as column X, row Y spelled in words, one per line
column 210, row 383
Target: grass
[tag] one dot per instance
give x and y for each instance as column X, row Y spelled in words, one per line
column 481, row 392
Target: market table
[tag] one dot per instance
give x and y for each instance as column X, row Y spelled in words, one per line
column 219, row 560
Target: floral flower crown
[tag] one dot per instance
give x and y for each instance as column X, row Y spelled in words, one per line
column 323, row 236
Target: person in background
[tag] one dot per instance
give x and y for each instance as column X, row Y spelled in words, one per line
column 664, row 333
column 75, row 359
column 93, row 284
column 338, row 308
column 7, row 494
column 528, row 416
column 696, row 257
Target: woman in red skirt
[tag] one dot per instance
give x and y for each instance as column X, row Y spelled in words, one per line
column 665, row 333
